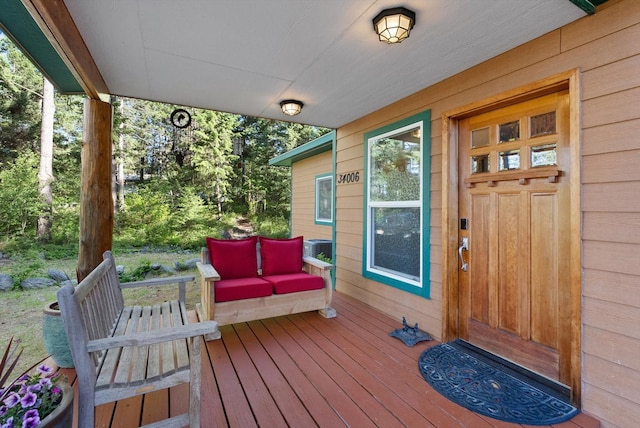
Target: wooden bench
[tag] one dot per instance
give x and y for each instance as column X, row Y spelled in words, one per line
column 249, row 309
column 122, row 351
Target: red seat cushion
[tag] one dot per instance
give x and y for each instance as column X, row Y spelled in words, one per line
column 242, row 288
column 283, row 284
column 281, row 256
column 234, row 258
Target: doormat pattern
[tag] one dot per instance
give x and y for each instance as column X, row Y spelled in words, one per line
column 487, row 390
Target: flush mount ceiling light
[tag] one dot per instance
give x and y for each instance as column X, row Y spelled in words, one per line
column 394, row 25
column 291, row 107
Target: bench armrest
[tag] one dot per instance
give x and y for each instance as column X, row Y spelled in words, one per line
column 208, row 272
column 158, row 281
column 180, row 280
column 154, row 336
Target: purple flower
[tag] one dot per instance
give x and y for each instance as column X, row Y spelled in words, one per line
column 28, row 400
column 9, row 423
column 3, row 410
column 45, row 382
column 31, row 419
column 56, row 390
column 35, row 388
column 12, row 400
column 45, row 369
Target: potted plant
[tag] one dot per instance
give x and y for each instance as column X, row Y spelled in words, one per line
column 39, row 399
column 55, row 337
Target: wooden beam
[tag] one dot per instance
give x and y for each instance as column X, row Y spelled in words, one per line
column 55, row 21
column 96, row 205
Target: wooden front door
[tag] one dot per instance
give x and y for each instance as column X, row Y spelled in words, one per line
column 514, row 210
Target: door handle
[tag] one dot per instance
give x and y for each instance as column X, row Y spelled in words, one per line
column 464, row 246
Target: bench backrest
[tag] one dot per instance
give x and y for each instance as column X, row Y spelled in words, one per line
column 91, row 310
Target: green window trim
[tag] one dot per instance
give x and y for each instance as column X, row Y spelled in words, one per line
column 319, row 179
column 419, row 285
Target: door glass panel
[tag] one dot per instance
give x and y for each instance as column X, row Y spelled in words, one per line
column 543, row 124
column 509, row 159
column 543, row 155
column 479, row 164
column 509, row 131
column 480, row 137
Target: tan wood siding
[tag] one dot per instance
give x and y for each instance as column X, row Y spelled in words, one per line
column 605, row 48
column 303, row 193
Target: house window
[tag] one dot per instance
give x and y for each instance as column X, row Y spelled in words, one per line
column 396, row 238
column 324, row 199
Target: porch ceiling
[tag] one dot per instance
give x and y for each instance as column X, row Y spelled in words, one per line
column 246, row 56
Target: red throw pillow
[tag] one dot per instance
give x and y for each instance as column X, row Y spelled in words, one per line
column 234, row 258
column 281, row 256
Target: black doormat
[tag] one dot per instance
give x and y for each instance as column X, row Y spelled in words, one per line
column 483, row 388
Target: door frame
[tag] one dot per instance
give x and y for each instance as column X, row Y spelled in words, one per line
column 450, row 298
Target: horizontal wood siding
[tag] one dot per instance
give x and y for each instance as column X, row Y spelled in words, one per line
column 605, row 48
column 303, row 193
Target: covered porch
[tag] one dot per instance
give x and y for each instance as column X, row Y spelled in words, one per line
column 304, row 370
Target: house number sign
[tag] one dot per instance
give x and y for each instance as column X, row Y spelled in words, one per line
column 349, row 177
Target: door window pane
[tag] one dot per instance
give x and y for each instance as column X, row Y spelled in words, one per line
column 509, row 131
column 543, row 124
column 509, row 159
column 479, row 164
column 480, row 137
column 543, row 155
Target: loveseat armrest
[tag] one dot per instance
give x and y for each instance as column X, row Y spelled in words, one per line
column 208, row 277
column 317, row 263
column 208, row 272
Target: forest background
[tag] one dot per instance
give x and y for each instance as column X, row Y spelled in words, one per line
column 172, row 187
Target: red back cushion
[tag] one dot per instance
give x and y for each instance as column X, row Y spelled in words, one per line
column 234, row 258
column 281, row 256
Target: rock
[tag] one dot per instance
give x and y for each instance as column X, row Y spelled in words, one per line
column 120, row 269
column 31, row 283
column 6, row 282
column 156, row 266
column 191, row 263
column 167, row 269
column 72, row 282
column 58, row 275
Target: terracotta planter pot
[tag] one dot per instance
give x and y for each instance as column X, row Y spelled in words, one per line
column 55, row 338
column 62, row 416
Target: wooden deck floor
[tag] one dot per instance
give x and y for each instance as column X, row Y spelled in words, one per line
column 304, row 371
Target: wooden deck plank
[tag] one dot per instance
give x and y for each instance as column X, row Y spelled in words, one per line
column 237, row 409
column 347, row 409
column 290, row 406
column 317, row 350
column 263, row 405
column 154, row 406
column 361, row 365
column 305, row 370
column 319, row 408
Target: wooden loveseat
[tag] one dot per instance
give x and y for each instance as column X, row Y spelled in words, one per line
column 256, row 278
column 122, row 351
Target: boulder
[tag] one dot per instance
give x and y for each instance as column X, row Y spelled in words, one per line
column 6, row 282
column 31, row 283
column 58, row 275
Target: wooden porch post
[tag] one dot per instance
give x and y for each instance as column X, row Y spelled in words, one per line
column 96, row 205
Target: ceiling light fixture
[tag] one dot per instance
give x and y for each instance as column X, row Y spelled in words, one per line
column 394, row 25
column 291, row 107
